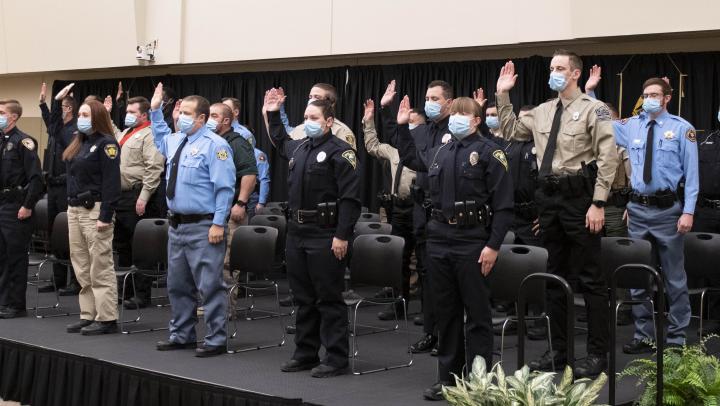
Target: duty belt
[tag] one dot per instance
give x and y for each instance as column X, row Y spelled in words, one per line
column 176, row 219
column 85, row 199
column 619, row 197
column 663, row 199
column 566, row 185
column 325, row 215
column 467, row 213
column 709, row 203
column 11, row 194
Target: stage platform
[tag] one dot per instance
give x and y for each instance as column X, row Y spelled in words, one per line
column 41, row 364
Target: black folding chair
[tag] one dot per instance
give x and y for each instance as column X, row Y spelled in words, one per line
column 365, row 228
column 369, row 218
column 702, row 252
column 509, row 237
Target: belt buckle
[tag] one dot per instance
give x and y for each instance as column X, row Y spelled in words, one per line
column 299, row 217
column 452, row 221
column 645, row 200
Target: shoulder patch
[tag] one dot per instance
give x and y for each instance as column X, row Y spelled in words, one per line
column 603, row 113
column 350, row 139
column 349, row 156
column 500, row 156
column 28, row 143
column 222, row 154
column 261, row 157
column 111, row 151
column 690, row 135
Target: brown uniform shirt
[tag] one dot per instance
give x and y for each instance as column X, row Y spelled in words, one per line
column 386, row 151
column 586, row 135
column 339, row 128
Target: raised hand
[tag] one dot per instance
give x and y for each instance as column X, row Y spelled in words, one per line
column 389, row 94
column 479, row 96
column 64, row 92
column 119, row 91
column 369, row 110
column 108, row 103
column 273, row 100
column 593, row 79
column 176, row 110
column 403, row 115
column 43, row 92
column 507, row 78
column 157, row 98
column 281, row 92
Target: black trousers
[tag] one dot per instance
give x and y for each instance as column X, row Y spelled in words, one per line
column 524, row 233
column 570, row 247
column 460, row 290
column 15, row 238
column 57, row 203
column 402, row 226
column 428, row 304
column 317, row 280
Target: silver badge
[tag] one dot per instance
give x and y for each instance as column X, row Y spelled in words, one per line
column 194, row 151
column 669, row 135
column 533, row 151
column 321, row 156
column 446, row 138
column 637, row 141
column 576, row 116
column 9, row 146
column 93, row 148
column 474, row 158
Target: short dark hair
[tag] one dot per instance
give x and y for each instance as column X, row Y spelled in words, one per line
column 235, row 102
column 92, row 97
column 13, row 106
column 325, row 106
column 226, row 110
column 419, row 112
column 143, row 103
column 71, row 101
column 666, row 89
column 490, row 104
column 332, row 92
column 527, row 107
column 202, row 105
column 446, row 88
column 575, row 61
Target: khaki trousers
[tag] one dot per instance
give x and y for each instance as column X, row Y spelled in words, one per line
column 92, row 259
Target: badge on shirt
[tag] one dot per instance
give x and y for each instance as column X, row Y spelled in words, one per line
column 261, row 157
column 9, row 146
column 446, row 138
column 111, row 151
column 350, row 139
column 28, row 143
column 500, row 156
column 690, row 135
column 194, row 151
column 474, row 158
column 669, row 135
column 222, row 154
column 349, row 156
column 576, row 116
column 533, row 151
column 321, row 156
column 93, row 148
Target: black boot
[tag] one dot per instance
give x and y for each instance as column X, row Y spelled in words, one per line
column 100, row 327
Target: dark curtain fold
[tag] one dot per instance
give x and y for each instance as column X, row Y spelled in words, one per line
column 358, row 83
column 43, row 377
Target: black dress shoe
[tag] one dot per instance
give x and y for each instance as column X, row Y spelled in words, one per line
column 503, row 307
column 537, row 333
column 389, row 313
column 70, row 290
column 424, row 345
column 135, row 303
column 170, row 345
column 210, row 351
column 418, row 321
column 545, row 363
column 327, row 371
column 435, row 392
column 77, row 326
column 46, row 288
column 434, row 351
column 287, row 301
column 100, row 327
column 638, row 346
column 290, row 329
column 591, row 366
column 295, row 366
column 12, row 313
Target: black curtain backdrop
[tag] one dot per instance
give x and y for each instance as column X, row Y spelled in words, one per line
column 701, row 91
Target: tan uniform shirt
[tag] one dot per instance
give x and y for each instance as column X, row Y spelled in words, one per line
column 386, row 151
column 622, row 175
column 140, row 162
column 586, row 135
column 339, row 129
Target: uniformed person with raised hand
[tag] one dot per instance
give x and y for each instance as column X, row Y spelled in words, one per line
column 401, row 214
column 577, row 159
column 93, row 188
column 324, row 204
column 234, row 105
column 468, row 180
column 200, row 187
column 141, row 166
column 663, row 151
column 20, row 188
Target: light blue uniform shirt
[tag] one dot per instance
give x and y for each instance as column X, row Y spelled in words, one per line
column 263, row 176
column 675, row 154
column 244, row 132
column 206, row 171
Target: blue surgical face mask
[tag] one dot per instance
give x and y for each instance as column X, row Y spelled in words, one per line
column 459, row 126
column 313, row 129
column 185, row 123
column 130, row 120
column 652, row 106
column 412, row 126
column 557, row 81
column 3, row 123
column 211, row 125
column 84, row 125
column 432, row 109
column 492, row 122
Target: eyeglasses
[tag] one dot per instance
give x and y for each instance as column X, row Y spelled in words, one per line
column 652, row 95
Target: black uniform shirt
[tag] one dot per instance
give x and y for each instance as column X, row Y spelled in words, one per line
column 21, row 166
column 709, row 162
column 60, row 136
column 523, row 169
column 420, row 141
column 96, row 168
column 243, row 156
column 320, row 170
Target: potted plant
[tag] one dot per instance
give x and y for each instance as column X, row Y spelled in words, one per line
column 494, row 388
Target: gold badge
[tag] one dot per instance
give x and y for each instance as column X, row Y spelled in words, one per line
column 110, row 151
column 222, row 154
column 500, row 156
column 349, row 156
column 28, row 143
column 691, row 135
column 261, row 157
column 350, row 139
column 474, row 158
column 669, row 135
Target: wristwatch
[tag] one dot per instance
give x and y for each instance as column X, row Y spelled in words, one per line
column 241, row 203
column 599, row 203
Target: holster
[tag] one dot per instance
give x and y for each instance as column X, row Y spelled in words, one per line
column 327, row 214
